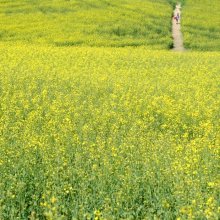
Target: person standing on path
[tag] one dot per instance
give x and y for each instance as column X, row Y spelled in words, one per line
column 177, row 18
column 176, row 30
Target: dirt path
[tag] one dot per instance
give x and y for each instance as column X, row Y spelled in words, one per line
column 176, row 31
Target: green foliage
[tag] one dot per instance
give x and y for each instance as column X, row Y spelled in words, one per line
column 89, row 22
column 201, row 25
column 108, row 133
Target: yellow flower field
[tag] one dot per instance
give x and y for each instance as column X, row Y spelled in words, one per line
column 201, row 24
column 116, row 23
column 105, row 133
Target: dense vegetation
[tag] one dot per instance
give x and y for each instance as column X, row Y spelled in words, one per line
column 88, row 22
column 201, row 25
column 101, row 133
column 108, row 133
column 109, row 23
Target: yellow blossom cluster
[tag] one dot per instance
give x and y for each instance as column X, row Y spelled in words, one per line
column 106, row 133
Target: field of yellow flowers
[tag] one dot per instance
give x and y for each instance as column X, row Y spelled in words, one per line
column 106, row 133
column 201, row 24
column 115, row 23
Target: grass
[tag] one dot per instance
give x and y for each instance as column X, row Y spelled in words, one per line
column 108, row 133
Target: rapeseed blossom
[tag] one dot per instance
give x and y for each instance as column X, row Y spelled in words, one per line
column 104, row 133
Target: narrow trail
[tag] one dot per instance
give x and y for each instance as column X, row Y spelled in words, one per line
column 176, row 31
